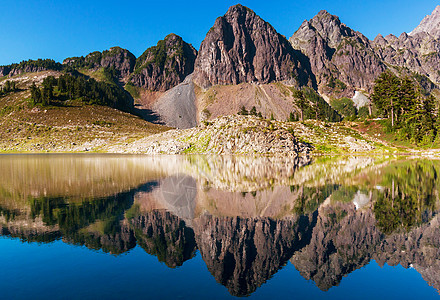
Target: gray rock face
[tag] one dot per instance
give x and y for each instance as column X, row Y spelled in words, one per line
column 360, row 100
column 120, row 59
column 177, row 107
column 343, row 60
column 419, row 52
column 164, row 66
column 430, row 24
column 27, row 69
column 242, row 47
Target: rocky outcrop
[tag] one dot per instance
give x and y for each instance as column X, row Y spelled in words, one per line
column 122, row 60
column 164, row 66
column 226, row 135
column 342, row 59
column 28, row 66
column 243, row 253
column 430, row 24
column 242, row 47
column 4, row 70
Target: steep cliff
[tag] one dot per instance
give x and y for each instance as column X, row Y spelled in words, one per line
column 419, row 52
column 342, row 59
column 242, row 47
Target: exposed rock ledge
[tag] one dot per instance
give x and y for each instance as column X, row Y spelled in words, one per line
column 224, row 135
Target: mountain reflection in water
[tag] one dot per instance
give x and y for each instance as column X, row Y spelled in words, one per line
column 248, row 217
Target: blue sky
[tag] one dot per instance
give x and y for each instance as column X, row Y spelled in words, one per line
column 32, row 29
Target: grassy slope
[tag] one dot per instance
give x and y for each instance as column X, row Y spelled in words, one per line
column 79, row 127
column 377, row 129
column 72, row 128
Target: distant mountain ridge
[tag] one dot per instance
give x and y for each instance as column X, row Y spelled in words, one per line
column 430, row 24
column 117, row 58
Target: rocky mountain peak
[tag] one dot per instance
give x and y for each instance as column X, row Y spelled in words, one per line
column 380, row 40
column 165, row 65
column 239, row 9
column 334, row 49
column 418, row 51
column 241, row 47
column 330, row 28
column 430, row 24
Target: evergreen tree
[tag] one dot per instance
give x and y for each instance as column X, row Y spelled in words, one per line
column 35, row 94
column 411, row 114
column 301, row 102
column 386, row 94
column 243, row 111
column 253, row 111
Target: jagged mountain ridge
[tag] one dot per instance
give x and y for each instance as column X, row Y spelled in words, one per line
column 419, row 53
column 242, row 48
column 342, row 59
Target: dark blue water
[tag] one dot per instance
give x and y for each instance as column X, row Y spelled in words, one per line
column 58, row 270
column 75, row 227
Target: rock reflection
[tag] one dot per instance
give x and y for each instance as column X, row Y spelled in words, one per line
column 164, row 235
column 247, row 217
column 242, row 253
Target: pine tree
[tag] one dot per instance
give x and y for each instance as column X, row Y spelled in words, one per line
column 253, row 111
column 386, row 94
column 301, row 102
column 243, row 111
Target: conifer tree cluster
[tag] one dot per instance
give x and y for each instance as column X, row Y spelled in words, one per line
column 7, row 87
column 312, row 106
column 252, row 112
column 411, row 114
column 88, row 90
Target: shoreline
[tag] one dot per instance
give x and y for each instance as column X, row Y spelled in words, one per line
column 226, row 135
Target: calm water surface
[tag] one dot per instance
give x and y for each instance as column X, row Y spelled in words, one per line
column 196, row 227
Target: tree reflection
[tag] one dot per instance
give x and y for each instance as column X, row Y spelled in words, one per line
column 409, row 195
